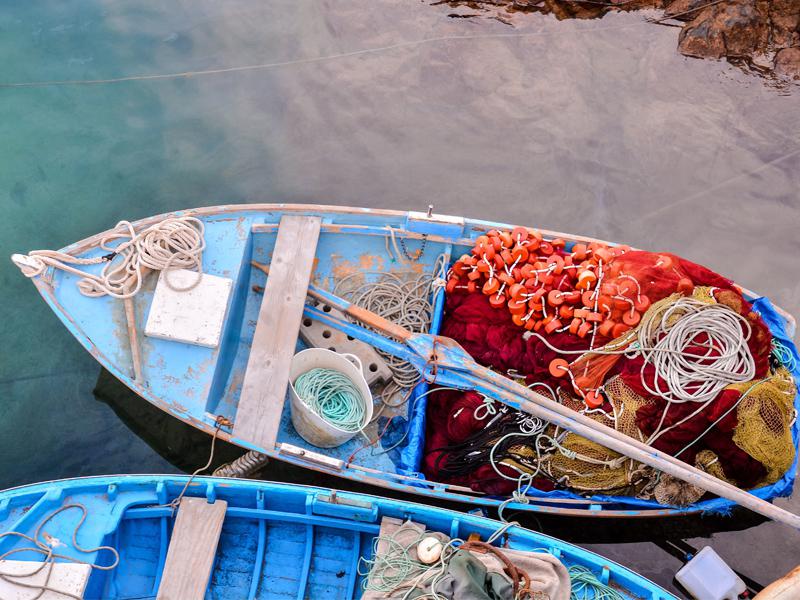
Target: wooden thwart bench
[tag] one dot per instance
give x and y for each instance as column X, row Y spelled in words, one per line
column 192, row 548
column 258, row 414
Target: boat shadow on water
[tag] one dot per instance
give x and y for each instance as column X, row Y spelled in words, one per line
column 188, row 449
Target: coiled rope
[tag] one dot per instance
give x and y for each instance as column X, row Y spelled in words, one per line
column 173, row 243
column 586, row 586
column 405, row 297
column 44, row 548
column 333, row 397
column 664, row 339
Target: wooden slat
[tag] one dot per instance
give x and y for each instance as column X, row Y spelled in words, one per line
column 192, row 549
column 258, row 414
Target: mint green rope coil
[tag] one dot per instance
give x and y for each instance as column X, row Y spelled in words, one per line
column 333, row 397
column 586, row 586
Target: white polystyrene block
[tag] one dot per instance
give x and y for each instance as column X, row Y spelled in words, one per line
column 65, row 577
column 193, row 316
column 708, row 577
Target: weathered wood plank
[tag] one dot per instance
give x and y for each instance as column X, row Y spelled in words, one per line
column 263, row 393
column 192, row 548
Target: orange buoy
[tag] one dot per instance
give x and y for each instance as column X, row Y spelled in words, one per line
column 516, row 307
column 537, row 325
column 579, row 252
column 642, row 303
column 588, row 298
column 552, row 326
column 519, row 234
column 491, row 286
column 471, row 287
column 606, row 328
column 506, row 278
column 505, row 254
column 516, row 290
column 555, row 259
column 603, row 254
column 506, row 238
column 517, row 320
column 584, row 329
column 572, row 297
column 685, row 286
column 558, row 367
column 573, row 327
column 631, row 318
column 594, row 399
column 586, row 279
column 554, row 298
column 565, row 311
column 497, row 300
column 546, row 248
column 519, row 254
column 581, row 313
column 451, row 285
column 594, row 317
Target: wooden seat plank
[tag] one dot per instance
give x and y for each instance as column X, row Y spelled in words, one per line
column 192, row 549
column 263, row 392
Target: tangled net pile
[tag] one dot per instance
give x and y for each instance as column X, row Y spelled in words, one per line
column 662, row 349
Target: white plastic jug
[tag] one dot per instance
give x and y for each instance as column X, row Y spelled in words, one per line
column 708, row 577
column 311, row 427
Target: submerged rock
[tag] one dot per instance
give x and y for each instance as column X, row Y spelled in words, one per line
column 787, row 62
column 739, row 30
column 735, row 29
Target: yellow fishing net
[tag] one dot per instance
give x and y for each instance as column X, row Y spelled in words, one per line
column 764, row 422
column 764, row 416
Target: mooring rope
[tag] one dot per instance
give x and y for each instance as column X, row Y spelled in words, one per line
column 174, row 243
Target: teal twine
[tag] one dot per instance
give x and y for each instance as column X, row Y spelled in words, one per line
column 783, row 355
column 333, row 397
column 586, row 586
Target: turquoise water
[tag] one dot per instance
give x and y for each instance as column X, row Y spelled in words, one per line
column 593, row 127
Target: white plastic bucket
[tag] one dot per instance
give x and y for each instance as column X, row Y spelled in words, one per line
column 311, row 427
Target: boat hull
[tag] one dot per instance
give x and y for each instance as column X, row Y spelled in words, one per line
column 351, row 239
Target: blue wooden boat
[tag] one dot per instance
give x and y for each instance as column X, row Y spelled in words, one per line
column 276, row 540
column 203, row 386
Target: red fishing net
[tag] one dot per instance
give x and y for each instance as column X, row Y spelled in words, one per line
column 518, row 303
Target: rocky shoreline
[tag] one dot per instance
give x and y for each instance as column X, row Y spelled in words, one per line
column 764, row 33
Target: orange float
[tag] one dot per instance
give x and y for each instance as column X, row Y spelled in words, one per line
column 497, row 300
column 558, row 367
column 594, row 399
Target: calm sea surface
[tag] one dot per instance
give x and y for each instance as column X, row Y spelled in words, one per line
column 594, row 127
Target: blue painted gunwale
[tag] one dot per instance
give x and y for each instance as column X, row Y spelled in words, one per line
column 197, row 384
column 279, row 540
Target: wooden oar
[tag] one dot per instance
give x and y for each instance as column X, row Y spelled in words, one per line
column 444, row 361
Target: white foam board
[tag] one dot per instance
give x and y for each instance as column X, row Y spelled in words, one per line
column 66, row 577
column 192, row 316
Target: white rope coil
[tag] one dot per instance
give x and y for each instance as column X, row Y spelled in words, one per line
column 664, row 341
column 174, row 243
